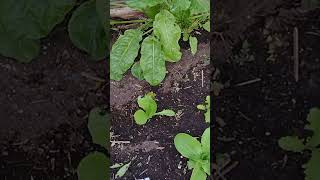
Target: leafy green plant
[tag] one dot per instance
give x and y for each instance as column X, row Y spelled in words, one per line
column 205, row 107
column 197, row 152
column 160, row 35
column 96, row 164
column 295, row 144
column 149, row 109
column 24, row 23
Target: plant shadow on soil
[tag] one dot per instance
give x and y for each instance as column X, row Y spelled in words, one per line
column 258, row 114
column 44, row 108
column 151, row 145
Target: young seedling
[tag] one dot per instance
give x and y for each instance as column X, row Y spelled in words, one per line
column 167, row 22
column 295, row 144
column 149, row 109
column 205, row 107
column 197, row 153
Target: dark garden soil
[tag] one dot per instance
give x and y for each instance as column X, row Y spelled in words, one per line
column 44, row 107
column 150, row 147
column 252, row 116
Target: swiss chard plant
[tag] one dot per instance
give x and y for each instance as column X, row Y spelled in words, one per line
column 24, row 23
column 205, row 107
column 299, row 145
column 158, row 37
column 148, row 109
column 96, row 164
column 197, row 152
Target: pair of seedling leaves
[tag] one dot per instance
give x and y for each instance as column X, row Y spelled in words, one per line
column 149, row 109
column 95, row 165
column 294, row 144
column 168, row 20
column 197, row 152
column 24, row 23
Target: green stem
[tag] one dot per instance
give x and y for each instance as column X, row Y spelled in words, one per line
column 128, row 22
column 200, row 15
column 150, row 30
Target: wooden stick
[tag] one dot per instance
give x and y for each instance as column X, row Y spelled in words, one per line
column 296, row 53
column 125, row 13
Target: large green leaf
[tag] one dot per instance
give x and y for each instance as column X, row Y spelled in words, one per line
column 180, row 5
column 94, row 166
column 314, row 125
column 200, row 6
column 198, row 173
column 137, row 71
column 312, row 167
column 123, row 53
column 169, row 33
column 23, row 49
column 291, row 143
column 98, row 125
column 188, row 146
column 23, row 23
column 87, row 32
column 143, row 4
column 205, row 141
column 152, row 61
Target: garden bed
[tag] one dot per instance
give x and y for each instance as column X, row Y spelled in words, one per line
column 151, row 147
column 261, row 100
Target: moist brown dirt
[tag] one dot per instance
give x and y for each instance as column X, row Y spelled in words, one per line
column 256, row 115
column 150, row 147
column 44, row 108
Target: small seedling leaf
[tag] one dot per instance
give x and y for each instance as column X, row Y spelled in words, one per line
column 98, row 125
column 198, row 173
column 140, row 117
column 188, row 146
column 291, row 143
column 93, row 166
column 122, row 171
column 148, row 104
column 166, row 112
column 205, row 141
column 117, row 165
